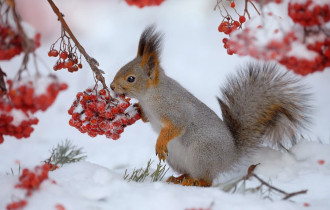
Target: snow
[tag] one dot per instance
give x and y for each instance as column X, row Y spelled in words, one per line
column 193, row 55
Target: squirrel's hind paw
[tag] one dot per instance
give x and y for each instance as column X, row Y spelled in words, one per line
column 186, row 180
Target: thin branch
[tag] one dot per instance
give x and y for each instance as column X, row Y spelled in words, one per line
column 28, row 44
column 246, row 9
column 233, row 185
column 91, row 61
column 254, row 6
column 3, row 87
column 286, row 194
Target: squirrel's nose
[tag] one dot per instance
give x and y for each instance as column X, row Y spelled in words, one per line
column 112, row 86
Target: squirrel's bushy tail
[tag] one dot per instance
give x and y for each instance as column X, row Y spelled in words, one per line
column 261, row 103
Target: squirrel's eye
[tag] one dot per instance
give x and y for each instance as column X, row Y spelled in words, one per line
column 130, row 79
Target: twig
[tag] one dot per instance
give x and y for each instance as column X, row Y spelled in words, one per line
column 3, row 87
column 246, row 9
column 250, row 173
column 287, row 195
column 91, row 61
column 28, row 44
column 254, row 6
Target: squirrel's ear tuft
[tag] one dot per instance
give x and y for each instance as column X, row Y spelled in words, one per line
column 149, row 47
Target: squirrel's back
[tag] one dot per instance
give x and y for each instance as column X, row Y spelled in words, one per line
column 263, row 103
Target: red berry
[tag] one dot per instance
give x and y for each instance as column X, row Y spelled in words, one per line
column 306, row 204
column 232, row 5
column 64, row 55
column 242, row 19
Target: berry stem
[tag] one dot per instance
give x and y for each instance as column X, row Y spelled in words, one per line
column 3, row 87
column 254, row 6
column 28, row 44
column 91, row 61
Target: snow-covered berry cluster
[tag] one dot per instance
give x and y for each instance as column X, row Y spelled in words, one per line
column 30, row 180
column 309, row 12
column 11, row 42
column 300, row 47
column 23, row 98
column 34, row 94
column 15, row 122
column 96, row 112
column 16, row 205
column 143, row 3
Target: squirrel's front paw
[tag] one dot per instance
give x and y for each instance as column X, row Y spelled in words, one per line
column 161, row 150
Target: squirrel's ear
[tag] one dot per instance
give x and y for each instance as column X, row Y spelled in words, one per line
column 149, row 50
column 150, row 64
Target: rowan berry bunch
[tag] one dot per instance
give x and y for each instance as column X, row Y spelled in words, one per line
column 143, row 3
column 67, row 54
column 30, row 180
column 309, row 12
column 302, row 47
column 23, row 98
column 229, row 23
column 11, row 42
column 313, row 57
column 35, row 93
column 96, row 112
column 16, row 205
column 15, row 122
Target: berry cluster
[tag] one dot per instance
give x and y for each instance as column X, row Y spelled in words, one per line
column 16, row 205
column 11, row 42
column 229, row 26
column 67, row 54
column 14, row 122
column 67, row 60
column 30, row 180
column 34, row 94
column 24, row 98
column 309, row 13
column 303, row 50
column 96, row 112
column 143, row 3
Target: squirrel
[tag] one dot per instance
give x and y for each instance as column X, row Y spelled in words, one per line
column 258, row 104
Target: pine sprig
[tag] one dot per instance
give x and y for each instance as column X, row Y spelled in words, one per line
column 65, row 153
column 139, row 175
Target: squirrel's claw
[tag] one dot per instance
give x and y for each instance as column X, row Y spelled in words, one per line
column 161, row 151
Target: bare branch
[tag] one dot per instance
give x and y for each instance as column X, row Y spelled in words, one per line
column 91, row 61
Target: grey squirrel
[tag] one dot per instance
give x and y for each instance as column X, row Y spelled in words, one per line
column 257, row 104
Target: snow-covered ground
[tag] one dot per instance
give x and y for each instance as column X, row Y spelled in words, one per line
column 193, row 55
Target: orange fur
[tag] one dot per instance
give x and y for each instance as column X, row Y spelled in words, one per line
column 167, row 133
column 270, row 113
column 186, row 180
column 177, row 180
column 196, row 182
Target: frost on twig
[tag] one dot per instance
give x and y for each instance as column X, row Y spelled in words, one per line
column 239, row 185
column 139, row 175
column 65, row 153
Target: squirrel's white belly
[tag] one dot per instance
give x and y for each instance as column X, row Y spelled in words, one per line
column 179, row 157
